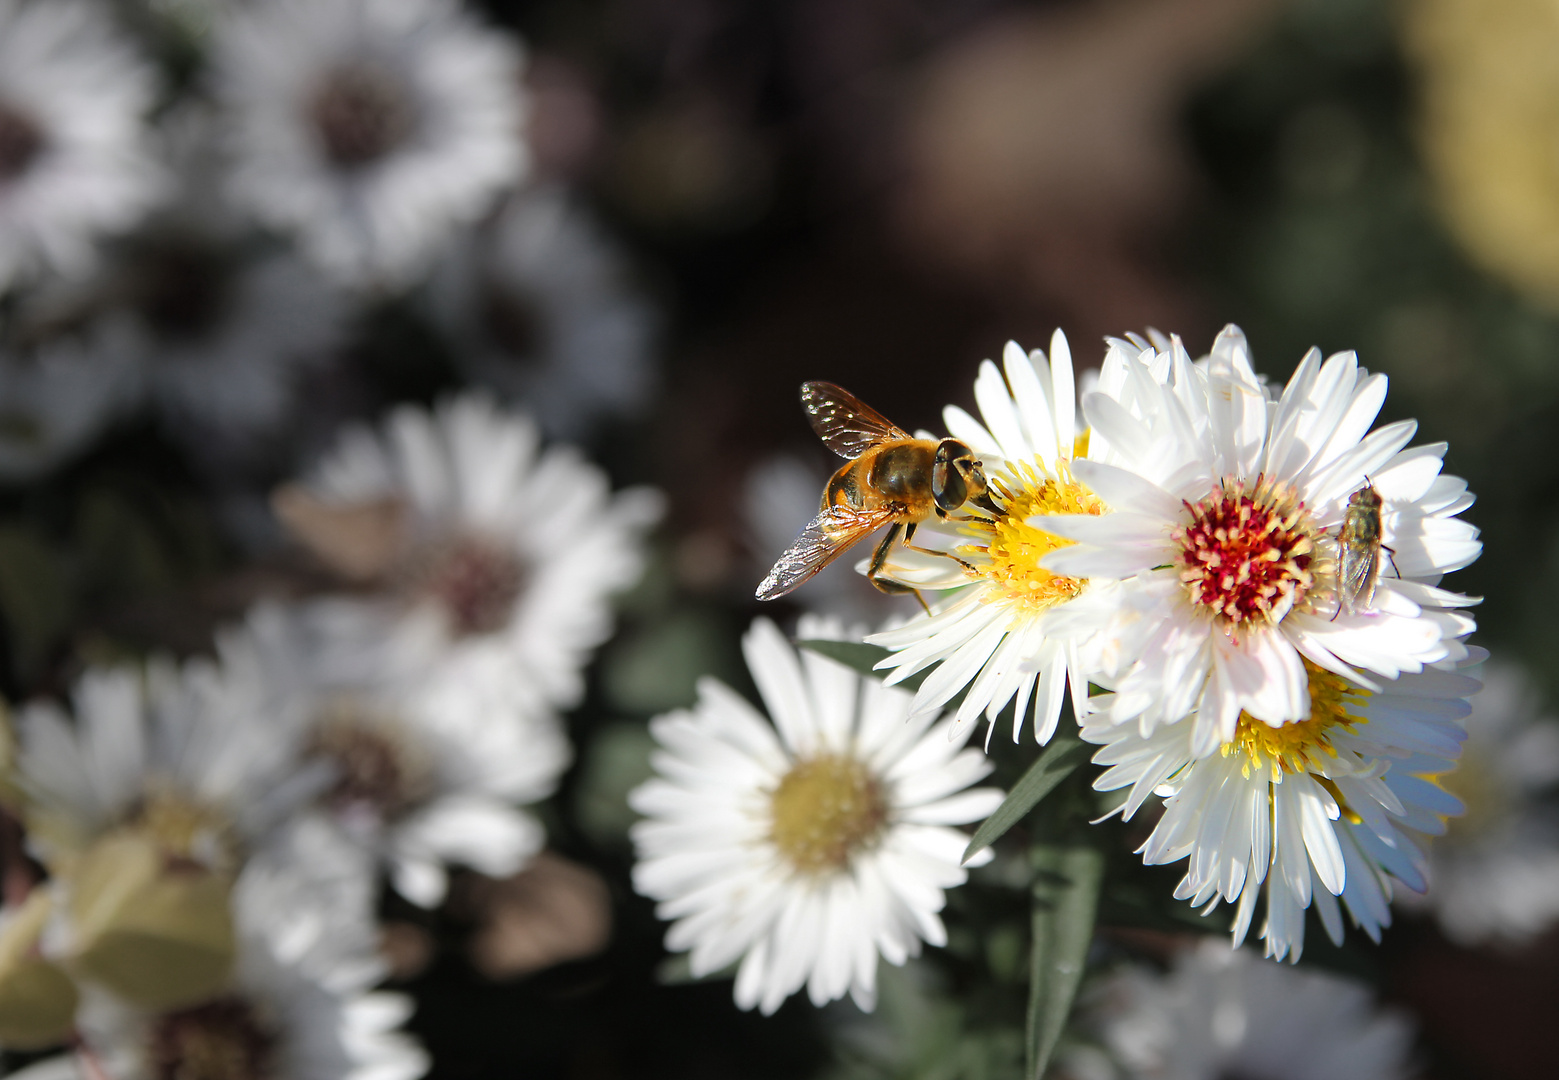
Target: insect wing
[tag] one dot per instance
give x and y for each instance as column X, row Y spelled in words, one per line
column 1358, row 570
column 1358, row 562
column 846, row 424
column 825, row 538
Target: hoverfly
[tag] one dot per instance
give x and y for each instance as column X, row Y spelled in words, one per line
column 892, row 479
column 1359, row 547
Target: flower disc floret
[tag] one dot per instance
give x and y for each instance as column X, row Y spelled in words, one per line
column 826, row 809
column 223, row 1039
column 1015, row 547
column 1246, row 554
column 1294, row 748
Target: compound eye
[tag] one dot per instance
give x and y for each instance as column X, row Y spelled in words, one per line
column 949, row 487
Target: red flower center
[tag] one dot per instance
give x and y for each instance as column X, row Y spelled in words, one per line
column 1245, row 554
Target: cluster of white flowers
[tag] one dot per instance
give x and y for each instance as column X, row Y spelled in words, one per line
column 1184, row 549
column 207, row 258
column 214, row 832
column 1250, row 641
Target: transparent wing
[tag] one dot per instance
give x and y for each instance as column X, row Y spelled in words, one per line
column 823, row 540
column 1357, row 571
column 847, row 425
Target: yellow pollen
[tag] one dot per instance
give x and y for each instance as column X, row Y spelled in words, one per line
column 825, row 810
column 1015, row 547
column 1297, row 747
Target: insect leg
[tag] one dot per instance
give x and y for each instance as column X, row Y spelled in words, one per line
column 874, row 572
column 1390, row 556
column 909, row 534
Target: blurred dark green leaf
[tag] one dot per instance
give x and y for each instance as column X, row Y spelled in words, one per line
column 1053, row 766
column 864, row 658
column 35, row 596
column 1066, row 899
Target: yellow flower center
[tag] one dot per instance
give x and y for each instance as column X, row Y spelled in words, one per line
column 187, row 831
column 1485, row 794
column 1015, row 547
column 825, row 810
column 1299, row 747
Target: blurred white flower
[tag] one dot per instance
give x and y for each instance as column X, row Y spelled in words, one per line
column 58, row 396
column 805, row 848
column 166, row 752
column 221, row 327
column 74, row 157
column 540, row 308
column 1221, row 1013
column 1495, row 874
column 369, row 129
column 430, row 762
column 222, row 338
column 504, row 554
column 1314, row 810
column 299, row 1005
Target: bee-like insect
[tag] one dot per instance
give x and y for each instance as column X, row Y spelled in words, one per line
column 1359, row 547
column 892, row 479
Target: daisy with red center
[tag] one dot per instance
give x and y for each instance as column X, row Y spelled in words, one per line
column 1230, row 504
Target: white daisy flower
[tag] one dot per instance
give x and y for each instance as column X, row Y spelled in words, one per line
column 74, row 159
column 222, row 328
column 807, row 848
column 1228, row 507
column 300, row 1005
column 507, row 554
column 1223, row 1013
column 430, row 762
column 59, row 396
column 369, row 129
column 541, row 309
column 223, row 340
column 1013, row 628
column 164, row 751
column 1495, row 874
column 1313, row 810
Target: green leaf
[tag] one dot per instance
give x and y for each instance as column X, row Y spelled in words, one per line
column 863, row 658
column 854, row 654
column 1066, row 898
column 1053, row 766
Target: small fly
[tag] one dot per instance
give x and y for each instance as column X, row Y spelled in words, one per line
column 1359, row 544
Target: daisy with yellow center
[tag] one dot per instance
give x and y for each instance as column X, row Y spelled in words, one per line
column 1010, row 628
column 806, row 848
column 1318, row 809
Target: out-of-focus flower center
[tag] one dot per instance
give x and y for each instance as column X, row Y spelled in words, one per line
column 473, row 581
column 21, row 141
column 1489, row 799
column 514, row 320
column 1015, row 547
column 825, row 810
column 190, row 832
column 1303, row 745
column 218, row 1040
column 361, row 113
column 379, row 766
column 1245, row 555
